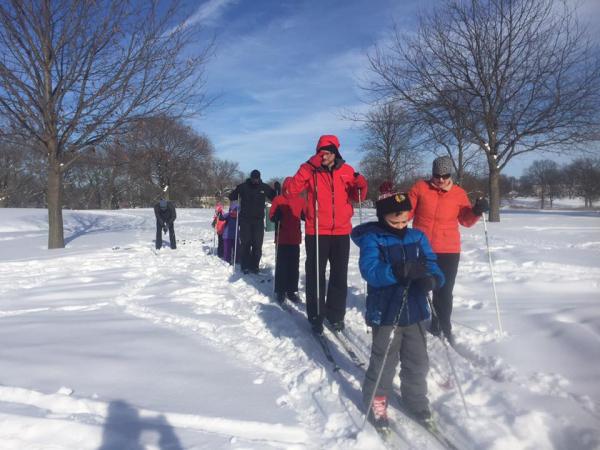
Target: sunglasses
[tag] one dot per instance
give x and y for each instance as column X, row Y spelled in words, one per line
column 443, row 177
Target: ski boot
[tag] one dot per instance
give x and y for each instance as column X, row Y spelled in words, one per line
column 280, row 297
column 293, row 297
column 450, row 338
column 336, row 326
column 378, row 415
column 317, row 326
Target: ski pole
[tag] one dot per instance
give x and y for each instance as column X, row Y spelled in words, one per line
column 276, row 253
column 235, row 242
column 487, row 244
column 277, row 192
column 215, row 238
column 385, row 355
column 452, row 368
column 317, row 245
column 360, row 217
column 359, row 205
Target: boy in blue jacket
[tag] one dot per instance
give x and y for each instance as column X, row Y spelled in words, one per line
column 400, row 268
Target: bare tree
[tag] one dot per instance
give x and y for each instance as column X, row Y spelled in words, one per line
column 545, row 177
column 168, row 157
column 22, row 180
column 99, row 179
column 584, row 173
column 516, row 76
column 388, row 153
column 446, row 129
column 74, row 72
column 224, row 175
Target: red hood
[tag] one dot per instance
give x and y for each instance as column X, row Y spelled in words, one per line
column 327, row 140
column 285, row 189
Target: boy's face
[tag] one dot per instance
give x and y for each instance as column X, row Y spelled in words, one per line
column 397, row 220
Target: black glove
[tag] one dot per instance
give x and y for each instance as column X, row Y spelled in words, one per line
column 164, row 228
column 276, row 216
column 481, row 206
column 428, row 283
column 410, row 270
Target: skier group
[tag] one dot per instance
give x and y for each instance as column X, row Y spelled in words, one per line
column 401, row 265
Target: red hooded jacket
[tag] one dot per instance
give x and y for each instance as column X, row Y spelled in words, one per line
column 437, row 213
column 292, row 207
column 336, row 188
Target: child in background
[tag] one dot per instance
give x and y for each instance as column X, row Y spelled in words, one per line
column 400, row 268
column 229, row 233
column 218, row 225
column 286, row 212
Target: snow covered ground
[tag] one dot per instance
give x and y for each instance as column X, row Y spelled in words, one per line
column 107, row 345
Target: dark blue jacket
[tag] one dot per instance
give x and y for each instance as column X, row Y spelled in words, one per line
column 379, row 250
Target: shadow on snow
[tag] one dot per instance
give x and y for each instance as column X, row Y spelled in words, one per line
column 124, row 427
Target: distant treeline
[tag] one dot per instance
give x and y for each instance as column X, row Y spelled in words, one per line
column 157, row 156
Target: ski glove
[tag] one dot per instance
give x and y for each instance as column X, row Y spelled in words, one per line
column 360, row 181
column 481, row 206
column 428, row 283
column 316, row 160
column 410, row 270
column 276, row 217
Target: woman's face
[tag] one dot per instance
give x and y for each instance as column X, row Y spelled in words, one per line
column 397, row 220
column 442, row 181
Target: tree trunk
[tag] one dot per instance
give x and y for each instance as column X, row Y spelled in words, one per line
column 542, row 199
column 55, row 190
column 494, row 179
column 110, row 191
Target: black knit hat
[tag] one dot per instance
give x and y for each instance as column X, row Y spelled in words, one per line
column 392, row 203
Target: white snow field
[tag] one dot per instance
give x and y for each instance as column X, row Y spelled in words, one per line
column 109, row 345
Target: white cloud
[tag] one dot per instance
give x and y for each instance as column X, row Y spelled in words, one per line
column 211, row 10
column 280, row 149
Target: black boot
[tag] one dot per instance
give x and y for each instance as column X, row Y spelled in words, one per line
column 293, row 297
column 317, row 325
column 336, row 326
column 280, row 297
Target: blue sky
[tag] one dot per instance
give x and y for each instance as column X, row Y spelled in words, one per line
column 286, row 70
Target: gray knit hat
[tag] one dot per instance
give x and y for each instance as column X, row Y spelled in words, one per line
column 442, row 166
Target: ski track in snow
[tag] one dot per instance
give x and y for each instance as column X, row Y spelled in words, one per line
column 237, row 316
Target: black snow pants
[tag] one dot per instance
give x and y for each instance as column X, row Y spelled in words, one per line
column 332, row 296
column 442, row 298
column 220, row 245
column 251, row 236
column 171, row 235
column 287, row 270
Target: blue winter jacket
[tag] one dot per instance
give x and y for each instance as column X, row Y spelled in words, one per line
column 379, row 250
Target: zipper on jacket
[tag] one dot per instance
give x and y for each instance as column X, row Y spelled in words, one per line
column 437, row 205
column 332, row 202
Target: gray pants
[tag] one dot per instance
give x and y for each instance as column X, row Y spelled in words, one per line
column 410, row 348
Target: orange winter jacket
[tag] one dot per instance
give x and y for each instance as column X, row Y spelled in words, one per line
column 437, row 213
